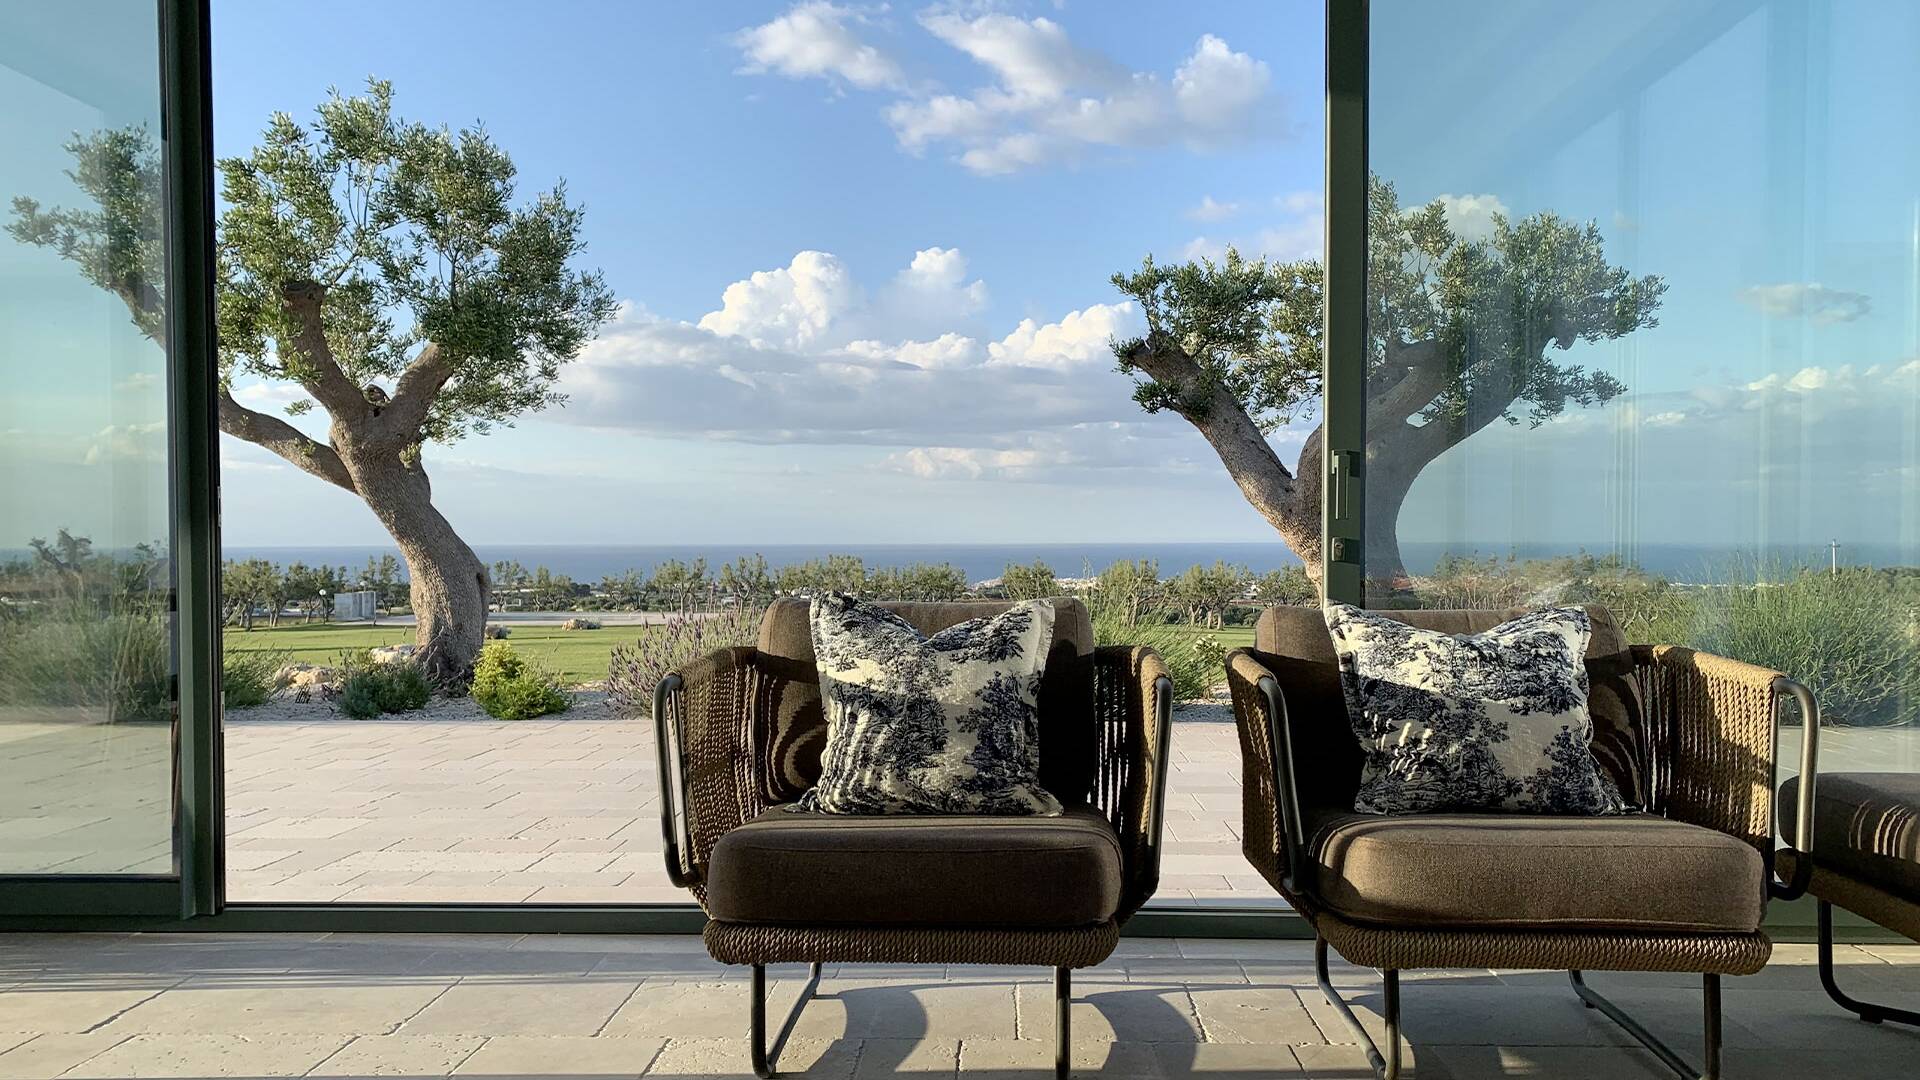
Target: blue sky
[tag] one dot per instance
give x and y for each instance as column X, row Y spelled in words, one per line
column 864, row 252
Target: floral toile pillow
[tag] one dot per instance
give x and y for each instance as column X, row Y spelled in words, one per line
column 1492, row 721
column 939, row 725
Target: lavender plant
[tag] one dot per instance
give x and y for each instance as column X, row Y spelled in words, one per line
column 635, row 670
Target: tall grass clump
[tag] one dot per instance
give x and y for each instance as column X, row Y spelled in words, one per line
column 369, row 689
column 247, row 676
column 1194, row 661
column 1850, row 636
column 114, row 663
column 634, row 671
column 511, row 687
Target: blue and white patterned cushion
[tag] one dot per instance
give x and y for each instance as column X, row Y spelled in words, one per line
column 939, row 725
column 1491, row 721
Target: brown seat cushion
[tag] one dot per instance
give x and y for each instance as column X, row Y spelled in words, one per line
column 1635, row 872
column 797, row 727
column 1294, row 644
column 1866, row 825
column 832, row 869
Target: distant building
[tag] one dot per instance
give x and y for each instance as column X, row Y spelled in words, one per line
column 355, row 606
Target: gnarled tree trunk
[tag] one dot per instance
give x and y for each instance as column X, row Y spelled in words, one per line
column 448, row 582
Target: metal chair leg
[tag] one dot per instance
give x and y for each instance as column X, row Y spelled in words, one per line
column 1871, row 1013
column 764, row 1056
column 1710, row 1000
column 1385, row 1066
column 1062, row 1022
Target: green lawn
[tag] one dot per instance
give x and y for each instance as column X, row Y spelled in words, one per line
column 578, row 655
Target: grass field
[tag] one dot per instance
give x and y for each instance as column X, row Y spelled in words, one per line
column 578, row 655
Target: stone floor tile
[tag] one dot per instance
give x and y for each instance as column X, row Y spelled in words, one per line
column 1242, row 1061
column 220, row 1005
column 1232, row 1014
column 1032, row 1059
column 694, row 1010
column 202, row 1055
column 399, row 1055
column 536, row 1057
column 1104, row 1014
column 528, row 1005
column 48, row 1056
column 881, row 1058
column 822, row 1059
column 1544, row 1062
column 929, row 1009
column 57, row 1011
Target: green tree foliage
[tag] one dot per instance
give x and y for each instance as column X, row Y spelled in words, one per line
column 1128, row 588
column 1031, row 582
column 386, row 270
column 1286, row 586
column 835, row 573
column 681, row 586
column 747, row 581
column 1462, row 332
column 1207, row 591
column 918, row 581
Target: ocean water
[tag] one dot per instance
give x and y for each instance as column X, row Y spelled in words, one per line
column 979, row 562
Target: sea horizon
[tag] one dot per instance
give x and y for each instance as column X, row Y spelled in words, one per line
column 587, row 563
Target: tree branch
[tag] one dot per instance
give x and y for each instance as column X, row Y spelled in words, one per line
column 418, row 385
column 1242, row 447
column 1421, row 376
column 322, row 377
column 283, row 439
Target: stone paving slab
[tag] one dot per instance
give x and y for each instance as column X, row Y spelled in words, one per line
column 590, row 1006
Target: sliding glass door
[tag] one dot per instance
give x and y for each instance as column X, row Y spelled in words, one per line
column 92, row 649
column 1644, row 302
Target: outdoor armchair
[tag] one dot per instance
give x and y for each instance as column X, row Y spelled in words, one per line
column 1853, row 840
column 739, row 738
column 1679, row 885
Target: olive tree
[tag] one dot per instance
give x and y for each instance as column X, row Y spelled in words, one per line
column 384, row 270
column 1461, row 333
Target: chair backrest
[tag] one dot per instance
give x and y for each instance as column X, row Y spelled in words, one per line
column 1294, row 644
column 795, row 725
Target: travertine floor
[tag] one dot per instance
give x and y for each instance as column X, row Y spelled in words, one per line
column 563, row 811
column 565, row 1007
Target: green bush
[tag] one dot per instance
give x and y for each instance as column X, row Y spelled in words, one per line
column 369, row 690
column 1849, row 636
column 1193, row 660
column 246, row 676
column 116, row 663
column 512, row 688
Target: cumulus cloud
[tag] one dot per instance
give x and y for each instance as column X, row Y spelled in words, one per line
column 127, row 442
column 818, row 40
column 784, row 360
column 1811, row 300
column 787, row 307
column 1471, row 217
column 1047, row 98
column 1137, row 446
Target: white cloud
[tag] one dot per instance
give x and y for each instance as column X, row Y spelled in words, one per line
column 817, row 40
column 1079, row 337
column 1047, row 98
column 1471, row 217
column 127, row 442
column 137, row 381
column 949, row 350
column 1211, row 209
column 787, row 307
column 1299, row 235
column 1811, row 300
column 937, row 277
column 1067, row 454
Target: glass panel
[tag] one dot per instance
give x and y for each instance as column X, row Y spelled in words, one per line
column 1646, row 307
column 86, row 761
column 864, row 340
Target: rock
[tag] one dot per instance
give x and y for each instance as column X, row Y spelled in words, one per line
column 496, row 632
column 580, row 624
column 391, row 654
column 304, row 678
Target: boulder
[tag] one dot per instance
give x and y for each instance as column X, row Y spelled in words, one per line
column 496, row 632
column 391, row 654
column 304, row 678
column 580, row 624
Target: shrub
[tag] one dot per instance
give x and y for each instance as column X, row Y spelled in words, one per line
column 636, row 670
column 247, row 676
column 369, row 689
column 512, row 688
column 1849, row 636
column 116, row 663
column 1194, row 661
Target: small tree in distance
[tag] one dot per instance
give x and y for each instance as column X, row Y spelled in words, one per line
column 1034, row 581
